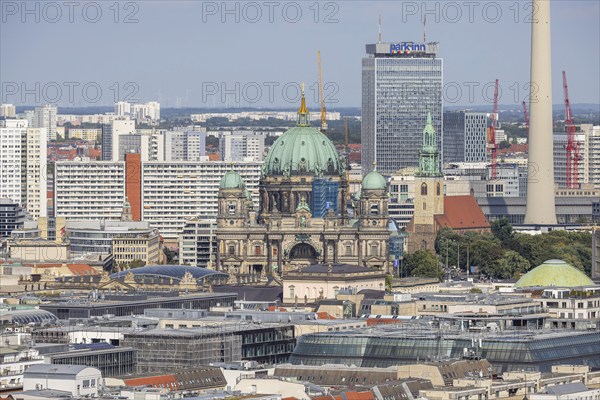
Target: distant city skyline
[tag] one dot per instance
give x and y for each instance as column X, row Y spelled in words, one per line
column 202, row 62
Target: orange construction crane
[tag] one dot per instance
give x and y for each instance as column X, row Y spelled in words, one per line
column 491, row 133
column 572, row 147
column 321, row 97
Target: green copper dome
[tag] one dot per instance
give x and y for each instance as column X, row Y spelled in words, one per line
column 302, row 150
column 231, row 180
column 554, row 273
column 374, row 181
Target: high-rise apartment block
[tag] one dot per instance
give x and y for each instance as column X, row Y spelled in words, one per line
column 241, row 146
column 23, row 159
column 45, row 117
column 465, row 136
column 8, row 111
column 401, row 83
column 89, row 134
column 110, row 138
column 167, row 194
column 86, row 190
column 175, row 192
column 179, row 145
column 139, row 111
column 587, row 143
column 198, row 242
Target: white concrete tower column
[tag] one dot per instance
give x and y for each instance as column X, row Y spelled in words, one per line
column 540, row 183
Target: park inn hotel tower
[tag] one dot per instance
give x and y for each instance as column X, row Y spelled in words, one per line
column 401, row 83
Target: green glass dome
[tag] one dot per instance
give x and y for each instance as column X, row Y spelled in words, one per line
column 554, row 273
column 374, row 181
column 302, row 150
column 231, row 180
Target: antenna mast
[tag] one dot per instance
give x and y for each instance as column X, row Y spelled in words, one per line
column 379, row 36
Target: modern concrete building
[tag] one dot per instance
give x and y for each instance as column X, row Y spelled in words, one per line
column 34, row 172
column 134, row 143
column 110, row 137
column 406, row 343
column 401, row 82
column 12, row 217
column 198, row 242
column 125, row 240
column 45, row 117
column 175, row 192
column 242, row 146
column 569, row 209
column 87, row 190
column 179, row 145
column 149, row 111
column 541, row 209
column 8, row 111
column 11, row 153
column 464, row 136
column 89, row 134
column 23, row 166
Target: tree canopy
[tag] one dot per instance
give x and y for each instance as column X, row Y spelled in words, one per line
column 507, row 254
column 424, row 264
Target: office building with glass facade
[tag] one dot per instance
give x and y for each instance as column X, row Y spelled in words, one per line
column 464, row 136
column 401, row 83
column 385, row 346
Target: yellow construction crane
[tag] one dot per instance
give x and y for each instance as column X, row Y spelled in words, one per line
column 321, row 97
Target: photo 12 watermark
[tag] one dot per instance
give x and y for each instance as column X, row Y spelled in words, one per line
column 253, row 12
column 68, row 93
column 470, row 92
column 453, row 12
column 53, row 12
column 272, row 93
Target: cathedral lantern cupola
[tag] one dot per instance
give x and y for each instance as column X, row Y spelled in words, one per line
column 373, row 203
column 234, row 201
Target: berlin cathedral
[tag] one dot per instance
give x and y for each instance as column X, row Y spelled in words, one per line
column 305, row 216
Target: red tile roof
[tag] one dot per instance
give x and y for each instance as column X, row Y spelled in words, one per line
column 214, row 157
column 330, row 397
column 514, row 148
column 354, row 157
column 358, row 396
column 462, row 212
column 324, row 315
column 82, row 269
column 94, row 153
column 275, row 308
column 166, row 381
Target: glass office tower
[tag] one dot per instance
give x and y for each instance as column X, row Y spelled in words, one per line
column 401, row 82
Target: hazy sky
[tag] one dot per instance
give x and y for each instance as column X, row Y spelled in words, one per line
column 190, row 52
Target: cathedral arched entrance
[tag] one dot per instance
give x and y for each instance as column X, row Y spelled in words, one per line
column 302, row 255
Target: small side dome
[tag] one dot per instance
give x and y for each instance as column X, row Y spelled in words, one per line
column 232, row 180
column 374, row 181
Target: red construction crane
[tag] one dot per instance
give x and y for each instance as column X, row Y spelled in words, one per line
column 491, row 139
column 526, row 114
column 572, row 147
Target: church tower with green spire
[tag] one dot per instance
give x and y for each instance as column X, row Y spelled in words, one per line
column 429, row 193
column 429, row 157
